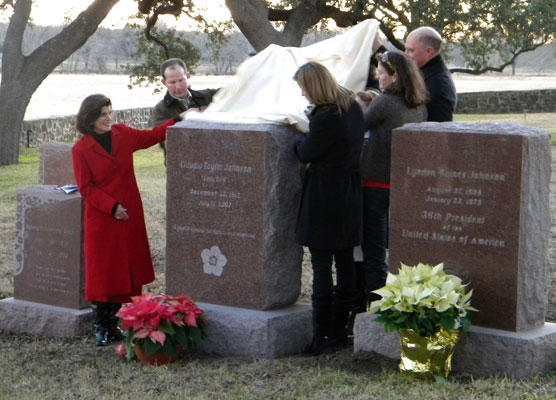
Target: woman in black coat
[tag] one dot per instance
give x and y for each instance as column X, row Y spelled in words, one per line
column 329, row 220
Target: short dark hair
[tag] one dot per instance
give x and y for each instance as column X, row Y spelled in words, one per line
column 172, row 63
column 89, row 112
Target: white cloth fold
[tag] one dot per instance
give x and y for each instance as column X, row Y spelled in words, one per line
column 264, row 91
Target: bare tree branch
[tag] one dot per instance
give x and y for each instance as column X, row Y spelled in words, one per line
column 501, row 67
column 145, row 6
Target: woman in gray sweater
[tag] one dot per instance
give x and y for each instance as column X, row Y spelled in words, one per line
column 403, row 101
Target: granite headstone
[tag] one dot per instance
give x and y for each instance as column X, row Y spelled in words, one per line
column 49, row 263
column 475, row 197
column 55, row 164
column 232, row 197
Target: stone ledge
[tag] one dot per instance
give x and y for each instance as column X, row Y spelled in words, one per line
column 20, row 316
column 480, row 352
column 235, row 331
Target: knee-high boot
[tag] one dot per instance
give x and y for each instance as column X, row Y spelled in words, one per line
column 114, row 332
column 322, row 328
column 101, row 313
column 360, row 300
column 343, row 307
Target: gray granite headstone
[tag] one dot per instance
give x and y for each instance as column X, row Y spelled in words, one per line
column 253, row 333
column 49, row 263
column 475, row 197
column 55, row 164
column 232, row 198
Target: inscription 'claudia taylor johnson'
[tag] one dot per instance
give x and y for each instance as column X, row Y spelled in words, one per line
column 444, row 173
column 216, row 167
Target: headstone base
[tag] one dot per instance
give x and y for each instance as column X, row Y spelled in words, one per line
column 265, row 334
column 480, row 352
column 20, row 316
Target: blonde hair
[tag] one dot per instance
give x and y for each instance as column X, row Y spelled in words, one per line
column 368, row 96
column 322, row 87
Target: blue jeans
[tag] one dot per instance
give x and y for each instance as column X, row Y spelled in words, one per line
column 376, row 203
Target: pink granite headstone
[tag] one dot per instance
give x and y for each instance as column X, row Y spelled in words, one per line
column 232, row 199
column 49, row 263
column 55, row 164
column 475, row 197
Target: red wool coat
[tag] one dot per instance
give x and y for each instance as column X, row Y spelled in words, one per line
column 117, row 254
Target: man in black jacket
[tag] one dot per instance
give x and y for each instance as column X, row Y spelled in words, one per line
column 179, row 96
column 423, row 45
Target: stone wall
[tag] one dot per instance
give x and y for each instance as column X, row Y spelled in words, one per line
column 61, row 129
column 506, row 102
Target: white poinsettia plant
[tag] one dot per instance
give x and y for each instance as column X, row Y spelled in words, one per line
column 424, row 299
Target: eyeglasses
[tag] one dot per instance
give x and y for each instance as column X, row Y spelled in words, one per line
column 385, row 60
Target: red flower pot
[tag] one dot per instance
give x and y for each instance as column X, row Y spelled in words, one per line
column 158, row 358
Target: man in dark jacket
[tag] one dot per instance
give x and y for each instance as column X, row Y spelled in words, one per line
column 423, row 45
column 179, row 96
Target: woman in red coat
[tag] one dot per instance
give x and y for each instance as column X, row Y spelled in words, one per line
column 117, row 255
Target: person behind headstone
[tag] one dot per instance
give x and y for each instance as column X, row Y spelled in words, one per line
column 179, row 97
column 117, row 255
column 378, row 48
column 423, row 45
column 329, row 218
column 250, row 55
column 402, row 101
column 366, row 97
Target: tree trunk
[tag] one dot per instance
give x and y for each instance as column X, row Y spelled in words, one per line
column 12, row 113
column 22, row 75
column 251, row 17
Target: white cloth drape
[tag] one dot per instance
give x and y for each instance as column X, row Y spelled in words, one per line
column 264, row 91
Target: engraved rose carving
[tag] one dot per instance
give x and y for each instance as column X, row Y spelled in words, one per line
column 213, row 261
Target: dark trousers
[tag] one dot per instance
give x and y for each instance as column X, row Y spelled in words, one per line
column 376, row 203
column 332, row 305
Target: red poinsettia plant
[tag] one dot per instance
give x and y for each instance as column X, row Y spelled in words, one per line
column 160, row 323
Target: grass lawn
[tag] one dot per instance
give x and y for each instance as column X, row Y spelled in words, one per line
column 39, row 368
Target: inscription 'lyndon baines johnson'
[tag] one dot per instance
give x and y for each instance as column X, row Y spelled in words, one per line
column 444, row 173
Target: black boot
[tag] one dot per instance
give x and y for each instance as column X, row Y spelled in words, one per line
column 115, row 334
column 322, row 329
column 341, row 321
column 360, row 304
column 101, row 311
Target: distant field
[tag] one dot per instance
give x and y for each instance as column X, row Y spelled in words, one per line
column 61, row 94
column 546, row 121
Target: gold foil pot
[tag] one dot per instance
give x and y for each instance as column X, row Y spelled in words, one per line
column 426, row 357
